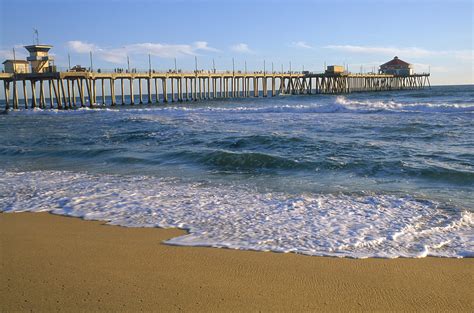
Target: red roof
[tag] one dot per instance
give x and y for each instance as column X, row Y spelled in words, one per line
column 396, row 62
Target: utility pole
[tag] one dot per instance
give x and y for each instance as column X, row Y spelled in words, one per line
column 90, row 55
column 175, row 67
column 233, row 66
column 128, row 63
column 196, row 62
column 264, row 70
column 290, row 67
column 214, row 65
column 245, row 66
column 69, row 60
column 272, row 68
column 149, row 63
column 14, row 63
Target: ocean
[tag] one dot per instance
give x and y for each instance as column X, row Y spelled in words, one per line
column 381, row 174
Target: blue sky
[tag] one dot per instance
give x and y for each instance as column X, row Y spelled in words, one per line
column 435, row 35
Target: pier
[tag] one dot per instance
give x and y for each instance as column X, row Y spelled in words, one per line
column 71, row 89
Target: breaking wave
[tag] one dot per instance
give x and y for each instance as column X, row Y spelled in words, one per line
column 321, row 104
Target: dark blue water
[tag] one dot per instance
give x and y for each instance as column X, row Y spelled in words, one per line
column 383, row 163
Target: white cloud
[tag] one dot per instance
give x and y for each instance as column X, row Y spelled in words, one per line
column 6, row 54
column 413, row 52
column 241, row 48
column 20, row 53
column 301, row 44
column 81, row 47
column 119, row 55
column 422, row 67
column 467, row 55
column 203, row 45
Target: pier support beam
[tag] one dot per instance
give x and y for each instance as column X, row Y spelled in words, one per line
column 69, row 98
column 57, row 94
column 214, row 87
column 220, row 89
column 165, row 92
column 94, row 92
column 80, row 87
column 264, row 85
column 103, row 91
column 148, row 81
column 208, row 88
column 172, row 89
column 255, row 86
column 112, row 92
column 6, row 85
column 73, row 86
column 25, row 94
column 62, row 91
column 15, row 95
column 187, row 88
column 194, row 91
column 42, row 104
column 33, row 94
column 200, row 88
column 51, row 99
column 122, row 93
column 140, row 98
column 89, row 92
column 132, row 96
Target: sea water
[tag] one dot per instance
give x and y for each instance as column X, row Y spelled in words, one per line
column 383, row 174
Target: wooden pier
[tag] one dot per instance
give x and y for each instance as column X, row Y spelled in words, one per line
column 68, row 90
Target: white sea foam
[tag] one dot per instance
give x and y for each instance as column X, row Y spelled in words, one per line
column 329, row 104
column 393, row 106
column 241, row 218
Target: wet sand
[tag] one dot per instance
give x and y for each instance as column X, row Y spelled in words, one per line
column 52, row 263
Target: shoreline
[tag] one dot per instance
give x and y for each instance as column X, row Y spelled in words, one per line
column 51, row 262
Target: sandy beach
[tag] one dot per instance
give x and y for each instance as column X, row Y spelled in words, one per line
column 52, row 263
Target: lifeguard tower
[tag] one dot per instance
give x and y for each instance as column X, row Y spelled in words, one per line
column 40, row 60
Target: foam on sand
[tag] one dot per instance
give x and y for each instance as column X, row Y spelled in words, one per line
column 238, row 217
